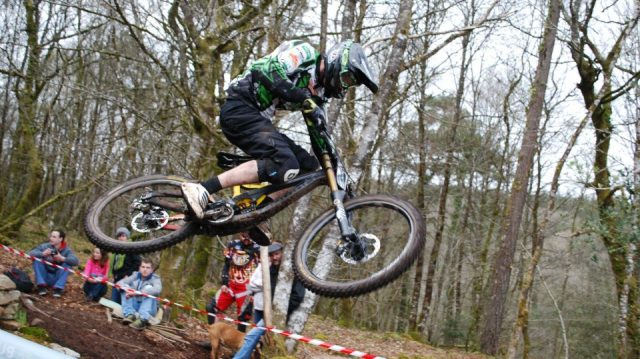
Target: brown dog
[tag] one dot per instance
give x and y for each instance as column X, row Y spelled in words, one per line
column 225, row 335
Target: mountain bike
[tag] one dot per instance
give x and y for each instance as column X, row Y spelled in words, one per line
column 357, row 245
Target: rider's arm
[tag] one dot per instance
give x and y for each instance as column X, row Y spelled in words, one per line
column 300, row 59
column 278, row 83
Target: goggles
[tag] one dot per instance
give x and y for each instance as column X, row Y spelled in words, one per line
column 347, row 79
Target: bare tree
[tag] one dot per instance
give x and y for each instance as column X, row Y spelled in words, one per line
column 499, row 281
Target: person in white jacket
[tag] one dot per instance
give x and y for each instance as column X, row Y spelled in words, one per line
column 255, row 284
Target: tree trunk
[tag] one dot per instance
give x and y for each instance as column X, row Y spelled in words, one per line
column 26, row 161
column 598, row 104
column 387, row 88
column 495, row 208
column 444, row 189
column 415, row 316
column 500, row 277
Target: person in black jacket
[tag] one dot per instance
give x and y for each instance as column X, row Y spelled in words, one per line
column 122, row 265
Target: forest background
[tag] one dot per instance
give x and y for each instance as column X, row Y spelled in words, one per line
column 513, row 125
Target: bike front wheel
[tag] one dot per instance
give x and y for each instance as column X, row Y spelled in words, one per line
column 391, row 236
column 151, row 206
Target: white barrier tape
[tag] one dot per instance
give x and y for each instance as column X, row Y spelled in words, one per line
column 298, row 337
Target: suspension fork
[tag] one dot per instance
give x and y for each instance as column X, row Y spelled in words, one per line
column 337, row 196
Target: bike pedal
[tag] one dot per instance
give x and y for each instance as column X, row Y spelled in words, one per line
column 218, row 212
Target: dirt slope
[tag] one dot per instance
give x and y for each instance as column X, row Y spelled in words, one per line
column 83, row 327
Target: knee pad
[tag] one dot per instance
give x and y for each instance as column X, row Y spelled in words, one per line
column 270, row 171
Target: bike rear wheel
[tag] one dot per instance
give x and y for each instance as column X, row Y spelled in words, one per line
column 393, row 236
column 157, row 222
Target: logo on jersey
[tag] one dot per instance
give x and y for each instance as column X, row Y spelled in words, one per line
column 292, row 58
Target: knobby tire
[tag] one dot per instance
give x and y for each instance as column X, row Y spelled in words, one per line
column 106, row 241
column 413, row 246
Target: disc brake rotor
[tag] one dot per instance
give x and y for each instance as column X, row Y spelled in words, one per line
column 357, row 253
column 152, row 220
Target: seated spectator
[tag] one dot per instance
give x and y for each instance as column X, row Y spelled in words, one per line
column 96, row 269
column 136, row 308
column 122, row 265
column 55, row 251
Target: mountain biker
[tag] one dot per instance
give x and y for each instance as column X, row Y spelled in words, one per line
column 295, row 76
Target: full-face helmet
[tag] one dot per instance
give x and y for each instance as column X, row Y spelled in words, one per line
column 345, row 66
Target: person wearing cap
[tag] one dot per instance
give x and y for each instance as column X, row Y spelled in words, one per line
column 256, row 287
column 241, row 257
column 55, row 251
column 122, row 265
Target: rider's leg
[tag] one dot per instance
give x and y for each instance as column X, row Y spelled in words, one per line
column 279, row 158
column 243, row 174
column 307, row 161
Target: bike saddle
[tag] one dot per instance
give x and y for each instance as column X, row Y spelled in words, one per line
column 228, row 161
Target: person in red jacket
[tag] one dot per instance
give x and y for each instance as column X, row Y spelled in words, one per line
column 241, row 258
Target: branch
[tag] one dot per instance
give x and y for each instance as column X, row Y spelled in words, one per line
column 631, row 83
column 51, row 201
column 614, row 54
column 12, row 73
column 461, row 32
column 119, row 342
column 183, row 94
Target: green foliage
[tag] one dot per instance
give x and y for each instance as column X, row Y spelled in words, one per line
column 417, row 336
column 21, row 317
column 36, row 334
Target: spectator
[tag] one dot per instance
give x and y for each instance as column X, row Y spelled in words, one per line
column 138, row 309
column 122, row 265
column 96, row 270
column 241, row 257
column 256, row 287
column 55, row 251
